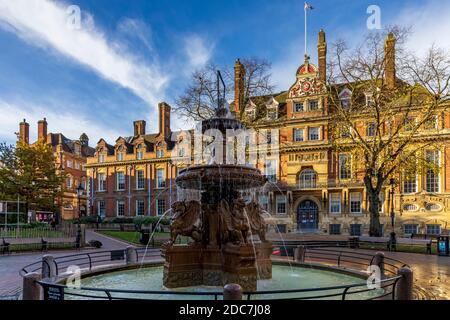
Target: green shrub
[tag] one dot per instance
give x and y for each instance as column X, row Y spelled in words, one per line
column 147, row 221
column 120, row 220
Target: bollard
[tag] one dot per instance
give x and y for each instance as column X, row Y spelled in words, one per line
column 299, row 254
column 232, row 292
column 31, row 289
column 404, row 290
column 48, row 267
column 378, row 260
column 131, row 255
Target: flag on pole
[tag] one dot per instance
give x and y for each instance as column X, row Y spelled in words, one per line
column 308, row 6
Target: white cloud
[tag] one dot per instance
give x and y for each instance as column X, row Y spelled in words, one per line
column 72, row 125
column 197, row 51
column 44, row 23
column 430, row 25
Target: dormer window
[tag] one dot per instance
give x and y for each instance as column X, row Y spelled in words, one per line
column 370, row 101
column 299, row 107
column 119, row 156
column 101, row 158
column 160, row 151
column 139, row 152
column 345, row 98
column 251, row 114
column 272, row 113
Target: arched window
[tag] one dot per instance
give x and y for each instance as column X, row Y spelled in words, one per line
column 308, row 179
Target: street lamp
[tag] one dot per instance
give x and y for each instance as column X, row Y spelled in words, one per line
column 79, row 190
column 392, row 182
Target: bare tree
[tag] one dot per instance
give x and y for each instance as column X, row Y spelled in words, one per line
column 199, row 100
column 381, row 116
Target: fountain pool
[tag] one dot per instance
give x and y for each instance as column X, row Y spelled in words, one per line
column 284, row 277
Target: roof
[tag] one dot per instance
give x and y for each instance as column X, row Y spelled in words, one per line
column 68, row 145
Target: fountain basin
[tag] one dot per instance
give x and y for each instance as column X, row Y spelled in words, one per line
column 285, row 277
column 220, row 176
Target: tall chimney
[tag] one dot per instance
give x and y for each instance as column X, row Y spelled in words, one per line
column 389, row 57
column 239, row 76
column 139, row 128
column 322, row 56
column 164, row 119
column 24, row 134
column 42, row 129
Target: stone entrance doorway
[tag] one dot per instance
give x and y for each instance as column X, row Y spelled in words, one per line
column 307, row 216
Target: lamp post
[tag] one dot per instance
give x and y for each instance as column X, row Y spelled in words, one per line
column 392, row 182
column 79, row 190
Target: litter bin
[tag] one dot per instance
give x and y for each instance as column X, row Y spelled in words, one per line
column 443, row 246
column 353, row 242
column 144, row 236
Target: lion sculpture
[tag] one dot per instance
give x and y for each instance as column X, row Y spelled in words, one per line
column 186, row 220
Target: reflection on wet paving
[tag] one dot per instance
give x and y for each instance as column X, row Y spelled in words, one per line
column 431, row 274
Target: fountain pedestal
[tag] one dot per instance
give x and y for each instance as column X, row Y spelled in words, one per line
column 194, row 265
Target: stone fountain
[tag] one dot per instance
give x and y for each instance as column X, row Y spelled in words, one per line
column 224, row 228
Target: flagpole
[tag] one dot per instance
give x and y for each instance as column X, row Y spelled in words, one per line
column 306, row 26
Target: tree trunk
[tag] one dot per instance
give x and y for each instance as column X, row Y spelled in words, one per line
column 374, row 204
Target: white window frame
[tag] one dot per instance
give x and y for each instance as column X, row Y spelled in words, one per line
column 317, row 105
column 349, row 158
column 409, row 225
column 101, row 158
column 119, row 182
column 335, row 201
column 140, row 183
column 101, row 182
column 264, row 202
column 138, row 202
column 307, row 179
column 272, row 113
column 299, row 104
column 118, row 203
column 310, row 133
column 101, row 209
column 158, row 206
column 279, row 200
column 436, row 173
column 297, row 131
column 371, row 129
column 433, row 226
column 355, row 197
column 120, row 156
column 160, row 180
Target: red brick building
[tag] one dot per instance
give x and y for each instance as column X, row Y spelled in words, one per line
column 70, row 157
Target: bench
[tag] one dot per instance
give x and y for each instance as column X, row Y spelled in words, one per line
column 416, row 242
column 5, row 246
column 426, row 243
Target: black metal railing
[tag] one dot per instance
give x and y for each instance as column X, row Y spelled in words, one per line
column 90, row 260
column 351, row 261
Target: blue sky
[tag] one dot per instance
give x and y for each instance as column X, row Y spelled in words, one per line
column 129, row 55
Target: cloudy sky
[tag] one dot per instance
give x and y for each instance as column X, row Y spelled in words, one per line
column 126, row 56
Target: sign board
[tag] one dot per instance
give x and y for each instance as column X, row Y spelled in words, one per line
column 443, row 246
column 117, row 255
column 53, row 293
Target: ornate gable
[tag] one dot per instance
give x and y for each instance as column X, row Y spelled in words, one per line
column 307, row 83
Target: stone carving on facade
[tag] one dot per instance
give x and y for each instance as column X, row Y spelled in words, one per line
column 307, row 86
column 186, row 220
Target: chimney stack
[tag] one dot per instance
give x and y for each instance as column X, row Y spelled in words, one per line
column 164, row 119
column 389, row 57
column 139, row 128
column 42, row 129
column 24, row 133
column 322, row 56
column 239, row 76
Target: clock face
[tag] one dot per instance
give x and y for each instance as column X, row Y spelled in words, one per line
column 306, row 86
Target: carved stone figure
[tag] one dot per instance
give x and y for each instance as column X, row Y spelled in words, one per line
column 186, row 220
column 257, row 223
